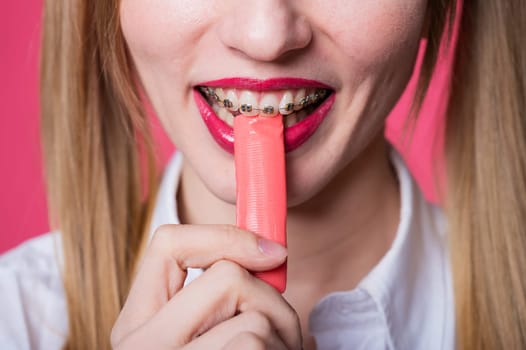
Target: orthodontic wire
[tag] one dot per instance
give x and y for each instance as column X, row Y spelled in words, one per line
column 304, row 102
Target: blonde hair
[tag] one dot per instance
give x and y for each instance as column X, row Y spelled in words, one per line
column 93, row 130
column 96, row 136
column 486, row 149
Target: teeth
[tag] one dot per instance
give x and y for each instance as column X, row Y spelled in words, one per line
column 226, row 116
column 269, row 105
column 220, row 93
column 232, row 97
column 288, row 120
column 299, row 99
column 248, row 104
column 227, row 104
column 216, row 108
column 286, row 106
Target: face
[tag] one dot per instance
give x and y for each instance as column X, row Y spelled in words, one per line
column 356, row 56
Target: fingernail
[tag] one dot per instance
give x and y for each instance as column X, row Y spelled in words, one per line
column 271, row 248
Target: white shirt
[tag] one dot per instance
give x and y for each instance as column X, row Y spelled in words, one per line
column 405, row 302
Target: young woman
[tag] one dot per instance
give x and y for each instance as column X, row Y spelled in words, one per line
column 371, row 265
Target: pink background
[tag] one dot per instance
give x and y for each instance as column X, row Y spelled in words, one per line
column 22, row 200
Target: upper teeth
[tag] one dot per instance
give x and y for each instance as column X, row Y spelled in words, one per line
column 269, row 105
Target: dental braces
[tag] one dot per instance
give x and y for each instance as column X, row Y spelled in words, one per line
column 248, row 108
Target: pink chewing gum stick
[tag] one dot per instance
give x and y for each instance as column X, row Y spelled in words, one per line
column 259, row 153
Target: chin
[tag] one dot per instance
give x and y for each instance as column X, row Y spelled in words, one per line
column 303, row 189
column 300, row 189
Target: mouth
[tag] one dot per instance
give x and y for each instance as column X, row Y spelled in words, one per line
column 304, row 104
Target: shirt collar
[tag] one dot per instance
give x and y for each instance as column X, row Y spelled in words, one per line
column 409, row 290
column 411, row 284
column 165, row 211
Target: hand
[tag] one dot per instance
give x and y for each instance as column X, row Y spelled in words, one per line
column 226, row 307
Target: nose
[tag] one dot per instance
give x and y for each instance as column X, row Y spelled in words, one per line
column 265, row 30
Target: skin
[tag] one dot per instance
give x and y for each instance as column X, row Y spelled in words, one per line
column 342, row 192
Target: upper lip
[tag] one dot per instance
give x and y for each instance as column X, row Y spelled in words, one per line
column 265, row 84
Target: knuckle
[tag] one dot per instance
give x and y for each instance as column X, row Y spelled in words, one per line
column 259, row 324
column 247, row 340
column 229, row 270
column 233, row 235
column 162, row 238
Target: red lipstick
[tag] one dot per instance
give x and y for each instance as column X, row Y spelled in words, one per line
column 295, row 135
column 266, row 85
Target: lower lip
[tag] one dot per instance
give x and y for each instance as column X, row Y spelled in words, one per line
column 295, row 136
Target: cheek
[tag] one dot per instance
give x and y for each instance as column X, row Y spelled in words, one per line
column 375, row 32
column 160, row 35
column 157, row 29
